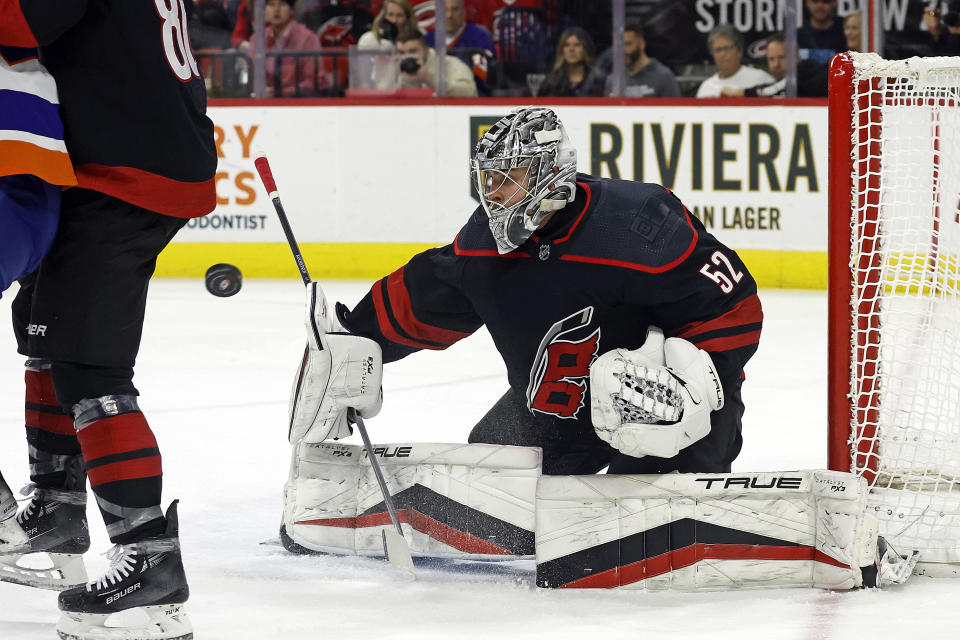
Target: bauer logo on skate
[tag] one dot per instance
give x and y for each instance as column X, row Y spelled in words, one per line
column 561, row 367
column 124, row 593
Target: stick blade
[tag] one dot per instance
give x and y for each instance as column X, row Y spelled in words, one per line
column 396, row 550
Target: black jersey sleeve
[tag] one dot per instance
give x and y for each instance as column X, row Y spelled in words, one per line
column 418, row 306
column 706, row 296
column 49, row 19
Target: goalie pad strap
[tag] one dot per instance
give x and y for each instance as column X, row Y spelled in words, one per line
column 703, row 532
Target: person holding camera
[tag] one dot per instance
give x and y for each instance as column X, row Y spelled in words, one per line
column 394, row 15
column 944, row 30
column 418, row 67
column 381, row 40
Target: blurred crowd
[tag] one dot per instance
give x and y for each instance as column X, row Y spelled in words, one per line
column 562, row 48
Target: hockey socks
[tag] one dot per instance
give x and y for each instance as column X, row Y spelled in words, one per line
column 123, row 464
column 54, row 519
column 54, row 451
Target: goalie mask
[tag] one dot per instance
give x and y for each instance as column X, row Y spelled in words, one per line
column 534, row 141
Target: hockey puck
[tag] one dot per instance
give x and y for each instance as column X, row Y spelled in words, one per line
column 223, row 280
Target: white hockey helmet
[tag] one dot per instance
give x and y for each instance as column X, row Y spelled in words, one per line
column 533, row 138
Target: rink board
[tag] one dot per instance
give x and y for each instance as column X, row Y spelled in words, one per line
column 366, row 187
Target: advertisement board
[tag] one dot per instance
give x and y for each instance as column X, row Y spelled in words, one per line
column 371, row 185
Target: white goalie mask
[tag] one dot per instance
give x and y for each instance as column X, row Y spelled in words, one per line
column 533, row 139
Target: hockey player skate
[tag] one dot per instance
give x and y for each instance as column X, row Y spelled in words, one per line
column 148, row 575
column 54, row 522
column 11, row 533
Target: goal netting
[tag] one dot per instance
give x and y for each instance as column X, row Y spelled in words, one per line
column 895, row 293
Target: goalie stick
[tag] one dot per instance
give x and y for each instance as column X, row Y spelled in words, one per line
column 394, row 545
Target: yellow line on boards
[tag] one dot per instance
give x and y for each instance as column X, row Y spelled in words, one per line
column 325, row 261
column 371, row 261
column 786, row 269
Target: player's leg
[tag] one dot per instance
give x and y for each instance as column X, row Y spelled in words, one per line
column 55, row 516
column 53, row 521
column 714, row 453
column 564, row 452
column 91, row 294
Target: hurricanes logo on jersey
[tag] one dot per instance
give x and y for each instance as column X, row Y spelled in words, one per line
column 558, row 379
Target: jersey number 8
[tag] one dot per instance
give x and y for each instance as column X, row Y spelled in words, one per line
column 176, row 39
column 717, row 275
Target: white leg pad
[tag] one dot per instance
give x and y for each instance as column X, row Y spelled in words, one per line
column 453, row 500
column 704, row 531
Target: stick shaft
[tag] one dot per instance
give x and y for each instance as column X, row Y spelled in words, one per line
column 266, row 177
column 372, row 457
column 294, row 247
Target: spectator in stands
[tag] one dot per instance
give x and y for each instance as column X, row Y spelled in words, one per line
column 418, row 67
column 243, row 25
column 394, row 16
column 571, row 74
column 232, row 7
column 811, row 75
column 852, row 31
column 944, row 30
column 298, row 75
column 338, row 23
column 726, row 46
column 208, row 24
column 646, row 76
column 822, row 35
column 473, row 42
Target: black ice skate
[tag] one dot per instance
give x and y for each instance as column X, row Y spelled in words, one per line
column 54, row 522
column 148, row 575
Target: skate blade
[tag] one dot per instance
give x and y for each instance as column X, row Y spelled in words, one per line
column 397, row 550
column 65, row 571
column 158, row 622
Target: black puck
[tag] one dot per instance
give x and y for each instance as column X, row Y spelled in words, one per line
column 223, row 280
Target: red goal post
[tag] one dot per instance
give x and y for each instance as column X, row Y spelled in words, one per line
column 894, row 295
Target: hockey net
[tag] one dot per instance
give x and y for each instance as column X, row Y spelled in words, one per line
column 895, row 294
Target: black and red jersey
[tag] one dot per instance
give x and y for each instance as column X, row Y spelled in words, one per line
column 621, row 257
column 132, row 99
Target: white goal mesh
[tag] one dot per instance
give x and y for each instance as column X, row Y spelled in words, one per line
column 905, row 266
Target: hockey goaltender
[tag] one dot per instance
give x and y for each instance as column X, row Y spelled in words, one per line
column 624, row 327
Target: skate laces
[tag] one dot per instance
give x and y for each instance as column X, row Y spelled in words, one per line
column 32, row 498
column 121, row 563
column 34, row 495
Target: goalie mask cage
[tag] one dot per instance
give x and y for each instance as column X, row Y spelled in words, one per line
column 894, row 295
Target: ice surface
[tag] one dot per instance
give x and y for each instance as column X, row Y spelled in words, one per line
column 214, row 374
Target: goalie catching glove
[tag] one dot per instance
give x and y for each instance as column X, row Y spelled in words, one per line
column 339, row 371
column 655, row 400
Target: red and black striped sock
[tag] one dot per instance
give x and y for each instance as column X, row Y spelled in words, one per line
column 123, row 464
column 55, row 461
